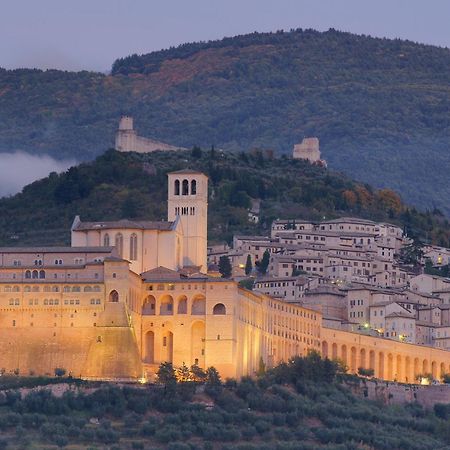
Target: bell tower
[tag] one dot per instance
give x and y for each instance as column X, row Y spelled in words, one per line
column 188, row 200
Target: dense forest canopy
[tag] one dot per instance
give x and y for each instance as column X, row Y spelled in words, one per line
column 379, row 106
column 130, row 185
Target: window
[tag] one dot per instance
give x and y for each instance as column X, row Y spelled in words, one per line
column 185, row 188
column 119, row 243
column 177, row 187
column 42, row 274
column 106, row 240
column 133, row 247
column 28, row 274
column 193, row 187
column 35, row 274
column 219, row 309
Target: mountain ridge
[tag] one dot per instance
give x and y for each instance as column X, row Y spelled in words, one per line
column 379, row 106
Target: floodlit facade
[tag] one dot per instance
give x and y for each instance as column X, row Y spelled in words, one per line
column 129, row 295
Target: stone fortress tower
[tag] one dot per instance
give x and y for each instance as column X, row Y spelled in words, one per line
column 127, row 140
column 309, row 149
column 188, row 201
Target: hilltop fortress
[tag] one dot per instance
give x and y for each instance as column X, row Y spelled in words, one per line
column 127, row 140
column 128, row 295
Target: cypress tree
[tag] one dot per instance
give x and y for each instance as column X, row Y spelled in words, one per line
column 248, row 265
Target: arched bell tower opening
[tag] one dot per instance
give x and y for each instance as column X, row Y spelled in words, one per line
column 188, row 200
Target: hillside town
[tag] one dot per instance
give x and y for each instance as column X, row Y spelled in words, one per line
column 350, row 270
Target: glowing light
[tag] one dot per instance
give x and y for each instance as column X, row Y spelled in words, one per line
column 142, row 380
column 241, row 266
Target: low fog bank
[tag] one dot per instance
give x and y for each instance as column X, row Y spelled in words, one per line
column 19, row 169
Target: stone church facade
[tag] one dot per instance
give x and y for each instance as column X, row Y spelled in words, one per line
column 128, row 295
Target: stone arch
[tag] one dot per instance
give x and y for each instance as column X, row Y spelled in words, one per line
column 324, row 349
column 408, row 377
column 442, row 371
column 149, row 347
column 344, row 354
column 198, row 335
column 399, row 369
column 372, row 360
column 353, row 367
column 362, row 358
column 193, row 187
column 177, row 187
column 106, row 240
column 425, row 368
column 167, row 346
column 198, row 305
column 434, row 372
column 182, row 305
column 114, row 296
column 416, row 368
column 381, row 365
column 334, row 351
column 219, row 309
column 166, row 305
column 390, row 367
column 149, row 306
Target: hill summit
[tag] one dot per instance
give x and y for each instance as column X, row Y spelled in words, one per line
column 379, row 106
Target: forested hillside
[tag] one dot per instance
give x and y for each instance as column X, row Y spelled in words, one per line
column 306, row 404
column 130, row 185
column 380, row 107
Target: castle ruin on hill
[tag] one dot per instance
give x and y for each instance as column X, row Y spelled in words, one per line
column 127, row 140
column 309, row 149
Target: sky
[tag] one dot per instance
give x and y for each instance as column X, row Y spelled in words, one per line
column 91, row 34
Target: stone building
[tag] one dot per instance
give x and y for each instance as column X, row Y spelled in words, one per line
column 129, row 295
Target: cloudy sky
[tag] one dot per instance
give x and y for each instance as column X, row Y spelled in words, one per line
column 90, row 34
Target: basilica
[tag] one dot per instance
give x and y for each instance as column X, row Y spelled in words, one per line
column 129, row 295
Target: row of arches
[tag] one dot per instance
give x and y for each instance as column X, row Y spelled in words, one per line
column 386, row 365
column 158, row 345
column 183, row 187
column 35, row 274
column 166, row 306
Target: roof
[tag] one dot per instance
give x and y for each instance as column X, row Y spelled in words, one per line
column 399, row 314
column 161, row 274
column 125, row 223
column 56, row 249
column 186, row 172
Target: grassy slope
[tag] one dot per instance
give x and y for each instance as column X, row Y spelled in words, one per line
column 129, row 185
column 379, row 106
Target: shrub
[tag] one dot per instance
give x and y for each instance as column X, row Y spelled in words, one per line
column 60, row 372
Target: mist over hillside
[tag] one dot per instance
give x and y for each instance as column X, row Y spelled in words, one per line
column 380, row 107
column 19, row 169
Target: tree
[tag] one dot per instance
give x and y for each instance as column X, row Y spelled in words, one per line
column 225, row 266
column 213, row 377
column 196, row 152
column 166, row 375
column 248, row 265
column 197, row 374
column 413, row 252
column 60, row 372
column 264, row 264
column 365, row 372
column 183, row 374
column 446, row 378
